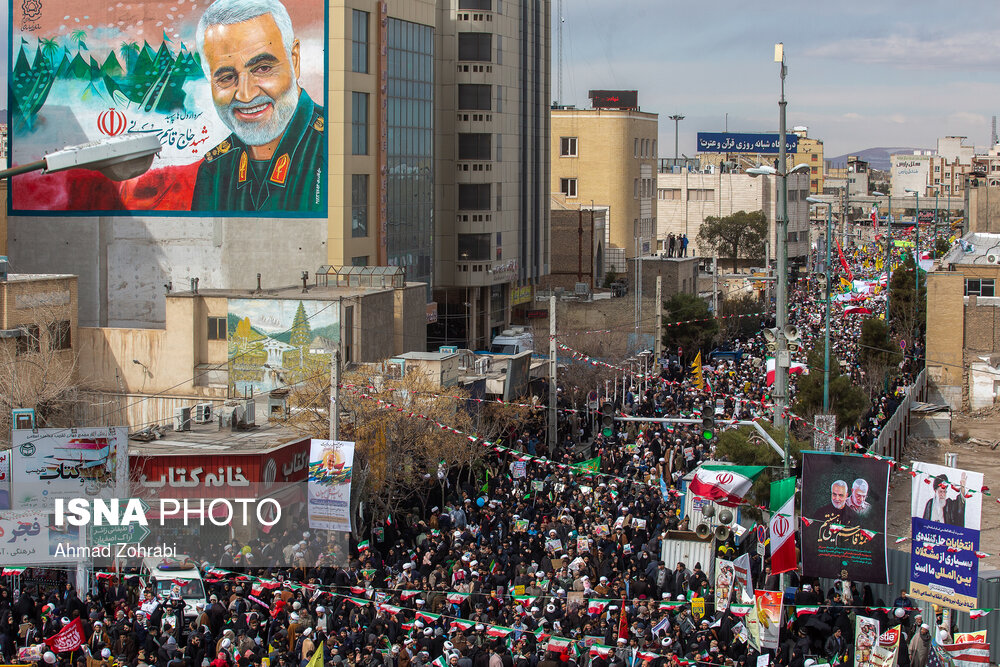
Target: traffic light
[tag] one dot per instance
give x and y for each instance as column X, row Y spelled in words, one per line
column 607, row 415
column 707, row 429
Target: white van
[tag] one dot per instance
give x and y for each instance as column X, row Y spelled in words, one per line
column 513, row 341
column 176, row 572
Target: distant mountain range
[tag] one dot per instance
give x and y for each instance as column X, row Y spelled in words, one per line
column 877, row 158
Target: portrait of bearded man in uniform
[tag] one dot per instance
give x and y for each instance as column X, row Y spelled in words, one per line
column 275, row 158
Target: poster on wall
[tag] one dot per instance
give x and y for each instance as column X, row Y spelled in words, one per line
column 945, row 510
column 276, row 343
column 844, row 510
column 66, row 463
column 233, row 90
column 330, row 464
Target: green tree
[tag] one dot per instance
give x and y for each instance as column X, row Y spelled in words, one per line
column 129, row 52
column 847, row 401
column 301, row 332
column 49, row 49
column 689, row 336
column 80, row 37
column 741, row 234
column 744, row 446
column 879, row 353
column 902, row 310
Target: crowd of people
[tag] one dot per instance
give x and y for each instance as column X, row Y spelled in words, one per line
column 535, row 564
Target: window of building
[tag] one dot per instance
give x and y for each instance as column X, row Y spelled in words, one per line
column 474, row 97
column 814, row 157
column 654, row 148
column 701, row 195
column 499, row 49
column 937, row 181
column 567, row 186
column 813, row 170
column 360, row 260
column 359, row 123
column 499, row 148
column 475, row 4
column 60, row 335
column 793, row 237
column 635, row 188
column 793, row 195
column 979, row 287
column 27, row 342
column 635, row 148
column 499, row 99
column 474, row 196
column 359, row 42
column 473, row 247
column 475, row 146
column 217, row 328
column 499, row 204
column 937, row 168
column 814, row 182
column 567, row 147
column 668, row 193
column 475, row 46
column 359, row 205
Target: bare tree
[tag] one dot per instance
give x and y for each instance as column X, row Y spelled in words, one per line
column 38, row 368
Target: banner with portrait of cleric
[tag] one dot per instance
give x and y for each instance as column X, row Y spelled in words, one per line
column 233, row 89
column 945, row 509
column 843, row 516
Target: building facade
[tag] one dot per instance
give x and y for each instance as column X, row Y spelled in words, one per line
column 608, row 157
column 963, row 324
column 686, row 199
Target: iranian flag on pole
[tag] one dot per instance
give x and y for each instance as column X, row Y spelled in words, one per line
column 795, row 368
column 596, row 606
column 558, row 645
column 726, row 485
column 783, row 558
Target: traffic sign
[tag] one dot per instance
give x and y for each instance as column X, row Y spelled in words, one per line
column 133, row 533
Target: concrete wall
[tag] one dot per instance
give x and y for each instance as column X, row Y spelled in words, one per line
column 573, row 254
column 123, row 263
column 409, row 323
column 984, row 209
column 679, row 275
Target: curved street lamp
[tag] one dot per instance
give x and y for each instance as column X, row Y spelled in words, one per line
column 118, row 158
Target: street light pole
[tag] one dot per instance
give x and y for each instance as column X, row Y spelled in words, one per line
column 829, row 277
column 781, row 250
column 916, row 261
column 888, row 261
column 677, row 118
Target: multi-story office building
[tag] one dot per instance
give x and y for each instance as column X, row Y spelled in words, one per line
column 492, row 198
column 607, row 157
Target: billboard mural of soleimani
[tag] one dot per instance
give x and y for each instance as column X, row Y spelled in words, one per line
column 233, row 89
column 275, row 343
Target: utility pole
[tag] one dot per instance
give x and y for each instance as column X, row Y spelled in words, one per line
column 782, row 361
column 677, row 118
column 658, row 343
column 553, row 418
column 715, row 285
column 335, row 395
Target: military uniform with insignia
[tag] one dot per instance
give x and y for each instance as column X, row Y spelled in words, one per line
column 229, row 179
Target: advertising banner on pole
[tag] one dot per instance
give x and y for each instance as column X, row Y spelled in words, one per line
column 330, row 468
column 743, row 579
column 844, row 513
column 865, row 640
column 66, row 463
column 767, row 609
column 885, row 652
column 29, row 539
column 945, row 523
column 725, row 576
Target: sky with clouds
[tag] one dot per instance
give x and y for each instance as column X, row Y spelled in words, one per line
column 860, row 74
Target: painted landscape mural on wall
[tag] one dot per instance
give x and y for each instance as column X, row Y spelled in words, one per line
column 276, row 343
